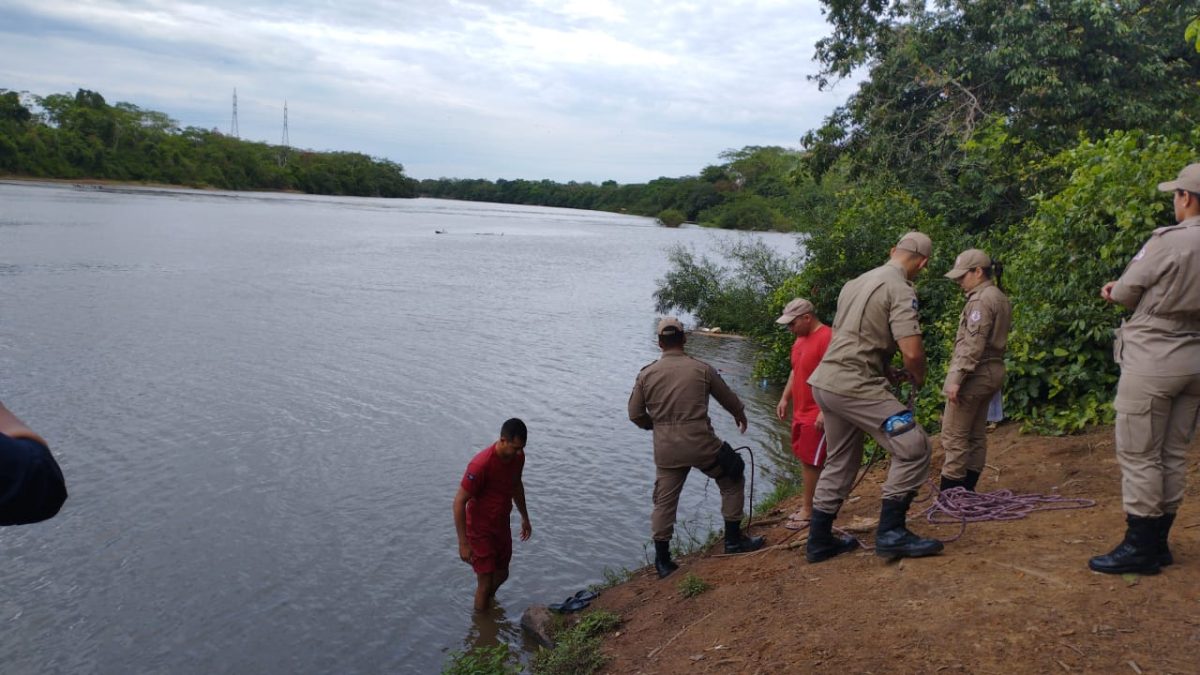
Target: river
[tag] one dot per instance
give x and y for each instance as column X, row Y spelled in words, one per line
column 263, row 405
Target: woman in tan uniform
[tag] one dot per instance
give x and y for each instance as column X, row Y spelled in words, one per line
column 976, row 369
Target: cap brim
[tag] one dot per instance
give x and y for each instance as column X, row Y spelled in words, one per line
column 1169, row 186
column 955, row 274
column 786, row 318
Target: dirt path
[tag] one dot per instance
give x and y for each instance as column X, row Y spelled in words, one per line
column 1011, row 597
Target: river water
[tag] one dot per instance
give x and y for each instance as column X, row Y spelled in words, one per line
column 263, row 405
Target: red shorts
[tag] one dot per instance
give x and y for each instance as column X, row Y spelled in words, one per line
column 808, row 443
column 492, row 551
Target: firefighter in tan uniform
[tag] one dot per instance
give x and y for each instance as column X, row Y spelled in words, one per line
column 976, row 370
column 876, row 315
column 670, row 397
column 1158, row 395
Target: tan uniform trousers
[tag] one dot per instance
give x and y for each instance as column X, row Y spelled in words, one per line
column 845, row 421
column 1156, row 421
column 668, row 483
column 964, row 424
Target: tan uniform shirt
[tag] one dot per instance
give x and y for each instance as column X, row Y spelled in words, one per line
column 1162, row 287
column 873, row 312
column 982, row 331
column 670, row 396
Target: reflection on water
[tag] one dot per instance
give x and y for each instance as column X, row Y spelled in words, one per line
column 263, row 405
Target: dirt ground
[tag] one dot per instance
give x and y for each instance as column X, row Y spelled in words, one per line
column 1011, row 597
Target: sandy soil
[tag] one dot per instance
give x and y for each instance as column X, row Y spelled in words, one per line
column 1012, row 597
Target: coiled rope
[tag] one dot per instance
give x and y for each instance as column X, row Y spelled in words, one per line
column 962, row 506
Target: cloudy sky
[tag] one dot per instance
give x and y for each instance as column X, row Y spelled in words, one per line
column 585, row 90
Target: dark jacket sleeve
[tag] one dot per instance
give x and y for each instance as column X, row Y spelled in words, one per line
column 32, row 488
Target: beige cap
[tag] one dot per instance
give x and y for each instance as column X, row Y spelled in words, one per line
column 1188, row 179
column 916, row 242
column 967, row 261
column 795, row 308
column 669, row 326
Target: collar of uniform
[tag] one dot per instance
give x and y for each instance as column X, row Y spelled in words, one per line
column 979, row 289
column 898, row 267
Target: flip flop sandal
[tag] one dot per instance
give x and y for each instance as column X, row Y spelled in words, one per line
column 571, row 604
column 796, row 525
column 586, row 595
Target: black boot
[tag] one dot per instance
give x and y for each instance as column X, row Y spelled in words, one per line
column 948, row 483
column 736, row 542
column 822, row 544
column 662, row 558
column 894, row 540
column 971, row 480
column 1164, row 528
column 1137, row 553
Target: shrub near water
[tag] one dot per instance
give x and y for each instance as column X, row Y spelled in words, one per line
column 1061, row 374
column 577, row 649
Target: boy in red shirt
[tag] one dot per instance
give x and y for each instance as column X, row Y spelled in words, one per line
column 808, row 424
column 489, row 488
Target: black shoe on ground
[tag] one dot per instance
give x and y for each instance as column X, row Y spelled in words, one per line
column 662, row 559
column 948, row 483
column 1138, row 552
column 971, row 480
column 822, row 544
column 894, row 540
column 736, row 542
column 1164, row 550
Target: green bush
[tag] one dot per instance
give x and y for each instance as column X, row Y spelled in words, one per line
column 691, row 585
column 577, row 649
column 494, row 660
column 671, row 217
column 1061, row 373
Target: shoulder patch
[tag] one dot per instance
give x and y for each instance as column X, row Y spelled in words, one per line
column 1140, row 254
column 975, row 316
column 916, row 306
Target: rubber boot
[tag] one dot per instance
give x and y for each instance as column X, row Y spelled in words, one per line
column 1138, row 553
column 662, row 559
column 736, row 542
column 972, row 479
column 894, row 540
column 1164, row 551
column 822, row 543
column 948, row 483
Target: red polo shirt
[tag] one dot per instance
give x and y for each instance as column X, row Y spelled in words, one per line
column 491, row 483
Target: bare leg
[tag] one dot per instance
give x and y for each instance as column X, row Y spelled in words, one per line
column 498, row 578
column 484, row 591
column 811, row 475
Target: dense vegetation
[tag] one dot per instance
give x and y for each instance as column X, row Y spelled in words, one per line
column 1034, row 130
column 82, row 136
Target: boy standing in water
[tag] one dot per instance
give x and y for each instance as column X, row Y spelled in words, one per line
column 489, row 488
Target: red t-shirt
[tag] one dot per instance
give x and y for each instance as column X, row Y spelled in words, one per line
column 491, row 483
column 807, row 352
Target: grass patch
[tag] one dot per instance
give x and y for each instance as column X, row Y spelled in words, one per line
column 692, row 585
column 785, row 486
column 612, row 577
column 494, row 660
column 577, row 649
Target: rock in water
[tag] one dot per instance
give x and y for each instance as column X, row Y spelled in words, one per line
column 537, row 621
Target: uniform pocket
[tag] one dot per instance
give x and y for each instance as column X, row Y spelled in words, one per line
column 1131, row 406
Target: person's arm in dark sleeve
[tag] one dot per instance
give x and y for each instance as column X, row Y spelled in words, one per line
column 637, row 407
column 32, row 488
column 728, row 400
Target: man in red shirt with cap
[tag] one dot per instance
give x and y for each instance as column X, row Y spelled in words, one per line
column 808, row 423
column 489, row 488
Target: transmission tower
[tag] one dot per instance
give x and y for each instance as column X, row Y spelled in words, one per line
column 233, row 125
column 283, row 152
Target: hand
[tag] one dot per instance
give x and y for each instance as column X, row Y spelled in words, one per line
column 526, row 529
column 741, row 425
column 820, row 423
column 951, row 392
column 465, row 552
column 896, row 375
column 1106, row 291
column 781, row 409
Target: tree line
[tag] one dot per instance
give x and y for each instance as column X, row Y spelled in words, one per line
column 1036, row 131
column 82, row 136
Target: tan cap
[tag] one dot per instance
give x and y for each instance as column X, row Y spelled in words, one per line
column 669, row 326
column 916, row 242
column 1188, row 179
column 967, row 261
column 795, row 308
